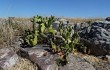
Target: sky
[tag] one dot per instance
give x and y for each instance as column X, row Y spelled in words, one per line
column 64, row 8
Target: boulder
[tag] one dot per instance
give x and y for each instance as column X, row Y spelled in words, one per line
column 56, row 24
column 80, row 26
column 40, row 56
column 107, row 19
column 8, row 58
column 76, row 63
column 97, row 38
column 46, row 60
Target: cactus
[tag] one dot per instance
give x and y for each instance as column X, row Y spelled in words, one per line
column 30, row 37
column 61, row 40
column 54, row 47
column 69, row 42
column 34, row 20
column 32, row 41
column 51, row 30
column 41, row 28
column 50, row 21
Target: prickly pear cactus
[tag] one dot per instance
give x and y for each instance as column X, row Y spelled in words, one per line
column 61, row 40
column 41, row 28
column 31, row 36
column 34, row 20
column 31, row 42
column 32, row 39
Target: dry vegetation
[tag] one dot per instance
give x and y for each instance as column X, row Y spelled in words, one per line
column 24, row 64
column 81, row 20
column 11, row 27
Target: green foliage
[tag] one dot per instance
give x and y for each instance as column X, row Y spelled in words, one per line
column 48, row 25
column 41, row 28
column 61, row 41
column 54, row 46
column 49, row 22
column 31, row 37
column 31, row 40
column 68, row 44
column 34, row 20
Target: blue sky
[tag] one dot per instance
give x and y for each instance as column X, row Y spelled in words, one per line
column 66, row 8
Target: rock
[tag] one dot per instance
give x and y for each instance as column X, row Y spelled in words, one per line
column 76, row 63
column 97, row 38
column 103, row 65
column 24, row 64
column 8, row 58
column 80, row 26
column 65, row 22
column 47, row 61
column 108, row 58
column 77, row 26
column 40, row 56
column 55, row 24
column 107, row 19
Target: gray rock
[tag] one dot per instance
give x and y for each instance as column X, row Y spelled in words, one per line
column 79, row 26
column 56, row 24
column 40, row 56
column 8, row 58
column 63, row 20
column 107, row 19
column 76, row 63
column 97, row 38
column 47, row 61
column 102, row 66
column 108, row 58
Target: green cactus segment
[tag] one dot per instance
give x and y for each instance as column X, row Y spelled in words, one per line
column 36, row 33
column 68, row 46
column 54, row 47
column 41, row 28
column 50, row 21
column 75, row 38
column 39, row 19
column 51, row 30
column 33, row 41
column 34, row 20
column 31, row 36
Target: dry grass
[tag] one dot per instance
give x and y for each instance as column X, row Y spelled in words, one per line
column 6, row 34
column 24, row 64
column 81, row 20
column 9, row 30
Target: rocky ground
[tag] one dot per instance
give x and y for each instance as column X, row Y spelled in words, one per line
column 40, row 58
